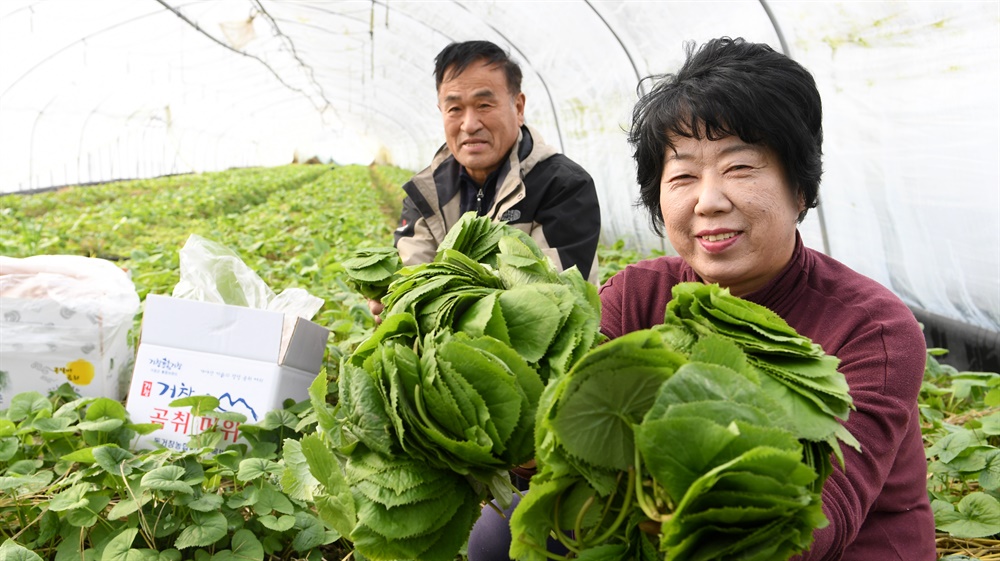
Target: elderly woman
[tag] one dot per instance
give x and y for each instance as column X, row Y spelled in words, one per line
column 728, row 155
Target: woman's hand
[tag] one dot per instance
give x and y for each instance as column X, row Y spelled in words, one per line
column 376, row 307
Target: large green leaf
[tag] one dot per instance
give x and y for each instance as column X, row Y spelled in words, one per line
column 521, row 263
column 113, row 459
column 492, row 380
column 311, row 533
column 243, row 547
column 400, row 326
column 89, row 514
column 440, row 545
column 475, row 236
column 954, row 444
column 454, row 412
column 204, row 502
column 532, row 520
column 256, row 468
column 364, row 408
column 595, row 422
column 120, row 546
column 774, row 531
column 277, row 523
column 643, row 347
column 27, row 404
column 697, row 382
column 483, row 317
column 679, row 450
column 443, row 310
column 337, row 507
column 270, row 499
column 808, row 419
column 390, row 497
column 13, row 551
column 989, row 476
column 409, row 520
column 520, row 445
column 104, row 407
column 709, row 308
column 394, row 475
column 371, row 270
column 26, row 484
column 57, row 425
column 296, row 480
column 532, row 321
column 204, row 529
column 976, row 516
column 74, row 497
column 325, row 417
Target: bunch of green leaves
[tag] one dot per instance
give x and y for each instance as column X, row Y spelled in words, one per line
column 961, row 411
column 798, row 371
column 549, row 318
column 466, row 404
column 71, row 487
column 585, row 487
column 435, row 293
column 446, row 390
column 478, row 238
column 742, row 482
column 391, row 508
column 728, row 379
column 371, row 270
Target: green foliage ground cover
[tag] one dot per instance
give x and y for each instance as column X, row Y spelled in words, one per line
column 70, row 489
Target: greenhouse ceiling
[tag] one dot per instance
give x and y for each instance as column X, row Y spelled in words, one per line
column 98, row 90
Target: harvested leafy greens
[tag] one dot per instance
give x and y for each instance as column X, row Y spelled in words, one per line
column 440, row 402
column 708, row 437
column 371, row 270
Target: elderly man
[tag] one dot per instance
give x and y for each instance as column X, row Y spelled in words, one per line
column 494, row 164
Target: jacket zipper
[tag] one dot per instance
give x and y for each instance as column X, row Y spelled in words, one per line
column 479, row 202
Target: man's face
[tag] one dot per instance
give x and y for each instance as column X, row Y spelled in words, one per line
column 481, row 117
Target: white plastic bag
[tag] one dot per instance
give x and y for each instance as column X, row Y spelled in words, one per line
column 211, row 272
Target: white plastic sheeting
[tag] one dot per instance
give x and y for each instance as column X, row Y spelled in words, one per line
column 105, row 89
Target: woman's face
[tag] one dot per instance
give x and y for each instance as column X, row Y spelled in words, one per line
column 729, row 211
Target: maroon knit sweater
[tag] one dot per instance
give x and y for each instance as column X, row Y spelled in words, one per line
column 877, row 506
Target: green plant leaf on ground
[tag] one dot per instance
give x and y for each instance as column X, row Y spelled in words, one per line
column 204, row 529
column 243, row 547
column 977, row 515
column 12, row 551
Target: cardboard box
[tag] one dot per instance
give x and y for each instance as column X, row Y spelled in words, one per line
column 250, row 359
column 65, row 318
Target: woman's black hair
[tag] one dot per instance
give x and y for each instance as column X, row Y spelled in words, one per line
column 731, row 87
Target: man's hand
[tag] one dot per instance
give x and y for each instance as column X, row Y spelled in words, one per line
column 525, row 470
column 376, row 307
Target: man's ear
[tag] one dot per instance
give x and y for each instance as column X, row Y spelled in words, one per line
column 802, row 207
column 519, row 100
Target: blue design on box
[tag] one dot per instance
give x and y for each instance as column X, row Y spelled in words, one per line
column 233, row 405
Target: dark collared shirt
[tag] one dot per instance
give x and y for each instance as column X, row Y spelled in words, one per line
column 478, row 197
